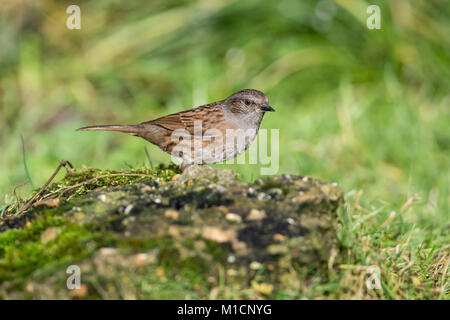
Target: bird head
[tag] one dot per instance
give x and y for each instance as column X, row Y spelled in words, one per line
column 248, row 101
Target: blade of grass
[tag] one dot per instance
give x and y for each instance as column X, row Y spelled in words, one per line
column 148, row 158
column 27, row 173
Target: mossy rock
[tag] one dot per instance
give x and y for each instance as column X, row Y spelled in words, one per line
column 200, row 234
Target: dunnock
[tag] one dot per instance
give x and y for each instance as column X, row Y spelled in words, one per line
column 207, row 134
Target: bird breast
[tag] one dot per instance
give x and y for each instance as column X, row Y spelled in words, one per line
column 213, row 146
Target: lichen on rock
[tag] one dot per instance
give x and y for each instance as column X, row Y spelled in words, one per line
column 199, row 234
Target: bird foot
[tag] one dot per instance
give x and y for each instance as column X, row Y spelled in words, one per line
column 184, row 166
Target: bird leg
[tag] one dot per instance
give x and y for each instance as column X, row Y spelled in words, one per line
column 185, row 165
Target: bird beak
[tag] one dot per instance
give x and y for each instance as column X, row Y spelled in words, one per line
column 266, row 107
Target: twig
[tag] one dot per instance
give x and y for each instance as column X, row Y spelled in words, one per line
column 15, row 192
column 63, row 163
column 28, row 204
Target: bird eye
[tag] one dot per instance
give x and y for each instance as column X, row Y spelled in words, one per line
column 247, row 102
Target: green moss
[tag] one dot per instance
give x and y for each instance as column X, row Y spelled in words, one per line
column 188, row 243
column 169, row 257
column 171, row 286
column 215, row 250
column 195, row 268
column 85, row 177
column 24, row 250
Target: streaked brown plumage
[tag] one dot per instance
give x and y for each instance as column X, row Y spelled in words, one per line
column 241, row 112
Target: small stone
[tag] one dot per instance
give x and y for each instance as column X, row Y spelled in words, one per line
column 233, row 217
column 304, row 198
column 277, row 249
column 221, row 189
column 263, row 288
column 144, row 258
column 79, row 293
column 218, row 235
column 29, row 288
column 50, row 234
column 160, row 272
column 102, row 197
column 231, row 272
column 107, row 251
column 140, row 259
column 214, row 293
column 261, row 196
column 171, row 214
column 290, row 220
column 174, row 231
column 231, row 259
column 279, row 237
column 255, row 265
column 128, row 209
column 256, row 214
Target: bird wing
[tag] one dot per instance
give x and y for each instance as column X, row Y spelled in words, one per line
column 207, row 116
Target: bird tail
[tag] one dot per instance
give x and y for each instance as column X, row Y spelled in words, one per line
column 131, row 129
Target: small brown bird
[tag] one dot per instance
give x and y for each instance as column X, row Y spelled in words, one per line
column 207, row 134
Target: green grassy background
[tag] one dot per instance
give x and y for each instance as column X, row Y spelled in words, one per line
column 368, row 109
